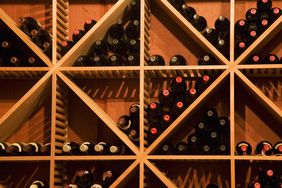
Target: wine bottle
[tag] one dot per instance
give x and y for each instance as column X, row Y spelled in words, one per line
column 243, row 148
column 133, row 46
column 167, row 149
column 264, row 148
column 70, row 148
column 117, row 150
column 99, row 47
column 27, row 24
column 39, row 184
column 154, row 111
column 116, row 31
column 115, row 60
column 271, row 59
column 15, row 61
column 252, row 15
column 255, row 184
column 222, row 149
column 132, row 30
column 84, row 178
column 207, row 149
column 156, row 60
column 134, row 10
column 134, row 110
column 153, row 134
column 255, row 59
column 166, row 120
column 102, row 148
column 178, row 86
column 6, row 45
column 15, row 149
column 132, row 60
column 223, row 46
column 117, row 46
column 32, row 148
column 187, row 12
column 41, row 36
column 177, row 60
column 214, row 137
column 66, row 46
column 202, row 83
column 45, row 149
column 206, row 60
column 190, row 96
column 96, row 185
column 264, row 4
column 166, row 100
column 240, row 47
column 201, row 128
column 181, row 148
column 278, row 148
column 223, row 126
column 124, row 123
column 199, row 22
column 87, row 148
column 276, row 12
column 210, row 116
column 133, row 135
column 241, row 27
column 212, row 185
column 194, row 143
column 89, row 23
column 252, row 36
column 222, row 24
column 77, row 35
column 83, row 60
column 3, row 147
column 100, row 60
column 211, row 35
column 263, row 25
column 71, row 186
column 177, row 109
column 108, row 178
column 267, row 178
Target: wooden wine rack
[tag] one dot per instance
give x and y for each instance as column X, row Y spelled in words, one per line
column 62, row 85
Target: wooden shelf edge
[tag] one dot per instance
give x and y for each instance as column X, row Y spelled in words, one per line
column 176, row 123
column 15, row 115
column 232, row 112
column 260, row 94
column 99, row 112
column 258, row 158
column 260, row 66
column 191, row 31
column 189, row 157
column 120, row 181
column 24, row 69
column 93, row 34
column 119, row 68
column 160, row 175
column 12, row 25
column 187, row 67
column 95, row 157
column 261, row 41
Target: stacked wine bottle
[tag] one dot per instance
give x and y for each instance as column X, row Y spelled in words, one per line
column 129, row 124
column 121, row 44
column 90, row 148
column 158, row 60
column 268, row 59
column 66, row 45
column 257, row 21
column 210, row 137
column 218, row 36
column 172, row 102
column 266, row 178
column 264, row 148
column 14, row 52
column 24, row 149
column 92, row 179
column 41, row 37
